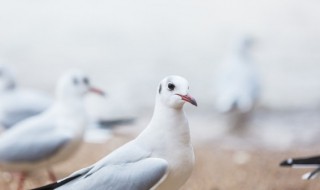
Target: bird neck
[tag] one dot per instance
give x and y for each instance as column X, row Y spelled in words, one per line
column 72, row 103
column 73, row 113
column 168, row 124
column 163, row 112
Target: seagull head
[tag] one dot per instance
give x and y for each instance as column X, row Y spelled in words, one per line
column 173, row 91
column 76, row 84
column 244, row 43
column 7, row 79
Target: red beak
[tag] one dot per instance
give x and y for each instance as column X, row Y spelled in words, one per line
column 97, row 91
column 189, row 99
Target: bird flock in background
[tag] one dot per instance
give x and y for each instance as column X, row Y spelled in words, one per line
column 38, row 131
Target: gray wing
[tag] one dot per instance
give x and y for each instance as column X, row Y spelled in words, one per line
column 141, row 175
column 32, row 140
column 21, row 104
column 14, row 117
column 128, row 167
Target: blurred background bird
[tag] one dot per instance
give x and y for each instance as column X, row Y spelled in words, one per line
column 238, row 84
column 18, row 103
column 52, row 136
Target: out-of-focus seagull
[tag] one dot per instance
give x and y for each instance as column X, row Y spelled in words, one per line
column 17, row 104
column 161, row 157
column 237, row 83
column 307, row 162
column 51, row 137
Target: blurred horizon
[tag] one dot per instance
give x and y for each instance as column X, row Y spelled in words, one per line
column 128, row 47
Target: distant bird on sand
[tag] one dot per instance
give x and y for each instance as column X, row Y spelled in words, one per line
column 237, row 84
column 51, row 137
column 17, row 104
column 307, row 162
column 161, row 157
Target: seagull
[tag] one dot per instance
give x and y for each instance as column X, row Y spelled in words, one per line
column 52, row 136
column 308, row 162
column 161, row 157
column 17, row 104
column 237, row 83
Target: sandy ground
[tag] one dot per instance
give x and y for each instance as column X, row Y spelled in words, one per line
column 223, row 161
column 215, row 169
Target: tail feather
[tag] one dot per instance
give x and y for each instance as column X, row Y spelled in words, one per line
column 309, row 161
column 55, row 185
column 115, row 122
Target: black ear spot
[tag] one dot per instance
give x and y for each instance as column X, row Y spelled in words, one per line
column 86, row 81
column 75, row 81
column 160, row 88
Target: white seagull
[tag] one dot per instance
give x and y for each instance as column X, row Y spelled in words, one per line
column 17, row 104
column 237, row 83
column 161, row 157
column 307, row 162
column 51, row 137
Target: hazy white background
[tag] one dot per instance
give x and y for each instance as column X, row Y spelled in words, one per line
column 128, row 46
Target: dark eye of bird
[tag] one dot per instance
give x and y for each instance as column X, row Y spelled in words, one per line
column 86, row 81
column 75, row 81
column 171, row 86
